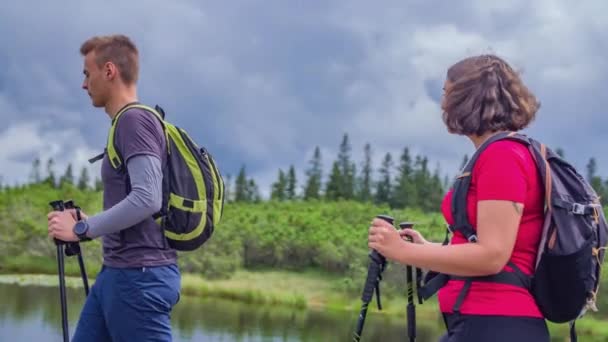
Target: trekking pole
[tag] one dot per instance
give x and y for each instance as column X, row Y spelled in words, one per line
column 75, row 249
column 374, row 275
column 58, row 206
column 411, row 307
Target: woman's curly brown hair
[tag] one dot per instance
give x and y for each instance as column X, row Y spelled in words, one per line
column 483, row 94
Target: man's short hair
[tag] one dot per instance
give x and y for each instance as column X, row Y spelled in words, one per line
column 118, row 49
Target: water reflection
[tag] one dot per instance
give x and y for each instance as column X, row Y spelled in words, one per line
column 33, row 313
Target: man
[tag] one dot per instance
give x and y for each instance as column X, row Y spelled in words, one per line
column 139, row 282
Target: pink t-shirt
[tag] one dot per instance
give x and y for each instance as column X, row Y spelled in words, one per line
column 504, row 171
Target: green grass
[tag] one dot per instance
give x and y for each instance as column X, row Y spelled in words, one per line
column 307, row 289
column 43, row 265
column 248, row 287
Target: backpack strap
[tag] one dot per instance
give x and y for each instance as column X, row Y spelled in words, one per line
column 98, row 157
column 111, row 150
column 515, row 278
column 461, row 189
column 461, row 224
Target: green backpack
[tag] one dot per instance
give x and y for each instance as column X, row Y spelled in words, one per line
column 193, row 188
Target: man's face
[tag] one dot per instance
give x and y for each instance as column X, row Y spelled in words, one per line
column 95, row 82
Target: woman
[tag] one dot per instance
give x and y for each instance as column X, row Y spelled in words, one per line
column 484, row 96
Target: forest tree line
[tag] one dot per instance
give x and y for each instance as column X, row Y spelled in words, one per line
column 405, row 181
column 400, row 181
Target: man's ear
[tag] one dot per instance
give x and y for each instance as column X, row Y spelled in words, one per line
column 109, row 70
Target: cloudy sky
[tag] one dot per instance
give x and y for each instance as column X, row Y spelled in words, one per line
column 262, row 83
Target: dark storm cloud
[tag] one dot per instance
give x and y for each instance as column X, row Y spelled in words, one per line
column 262, row 83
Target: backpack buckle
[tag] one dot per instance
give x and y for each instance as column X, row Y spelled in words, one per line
column 449, row 228
column 578, row 209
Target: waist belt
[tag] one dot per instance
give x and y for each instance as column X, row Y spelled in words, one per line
column 437, row 280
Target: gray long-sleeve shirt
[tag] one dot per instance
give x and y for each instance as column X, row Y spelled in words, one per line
column 143, row 201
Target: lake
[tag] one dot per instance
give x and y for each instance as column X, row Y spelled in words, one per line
column 33, row 313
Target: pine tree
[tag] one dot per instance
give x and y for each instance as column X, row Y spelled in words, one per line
column 437, row 191
column 599, row 186
column 83, row 182
column 228, row 195
column 332, row 191
column 346, row 184
column 278, row 187
column 383, row 191
column 253, row 193
column 35, row 175
column 290, row 190
column 405, row 193
column 68, row 176
column 98, row 184
column 592, row 178
column 591, row 169
column 240, row 191
column 365, row 182
column 422, row 181
column 50, row 179
column 312, row 189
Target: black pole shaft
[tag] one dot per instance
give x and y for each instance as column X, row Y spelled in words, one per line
column 58, row 206
column 83, row 274
column 62, row 294
column 411, row 307
column 419, row 284
column 360, row 322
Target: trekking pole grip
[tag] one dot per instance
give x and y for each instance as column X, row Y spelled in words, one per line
column 57, row 206
column 71, row 248
column 375, row 269
column 71, row 205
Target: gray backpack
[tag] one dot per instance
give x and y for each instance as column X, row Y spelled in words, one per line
column 572, row 247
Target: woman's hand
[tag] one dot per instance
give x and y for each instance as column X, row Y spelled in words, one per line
column 415, row 236
column 385, row 239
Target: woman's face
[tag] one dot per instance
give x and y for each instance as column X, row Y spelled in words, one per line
column 446, row 84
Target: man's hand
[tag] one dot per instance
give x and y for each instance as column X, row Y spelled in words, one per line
column 83, row 216
column 61, row 225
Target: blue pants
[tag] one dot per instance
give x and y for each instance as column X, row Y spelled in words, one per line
column 130, row 304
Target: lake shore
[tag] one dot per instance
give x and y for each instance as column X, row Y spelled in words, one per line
column 300, row 291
